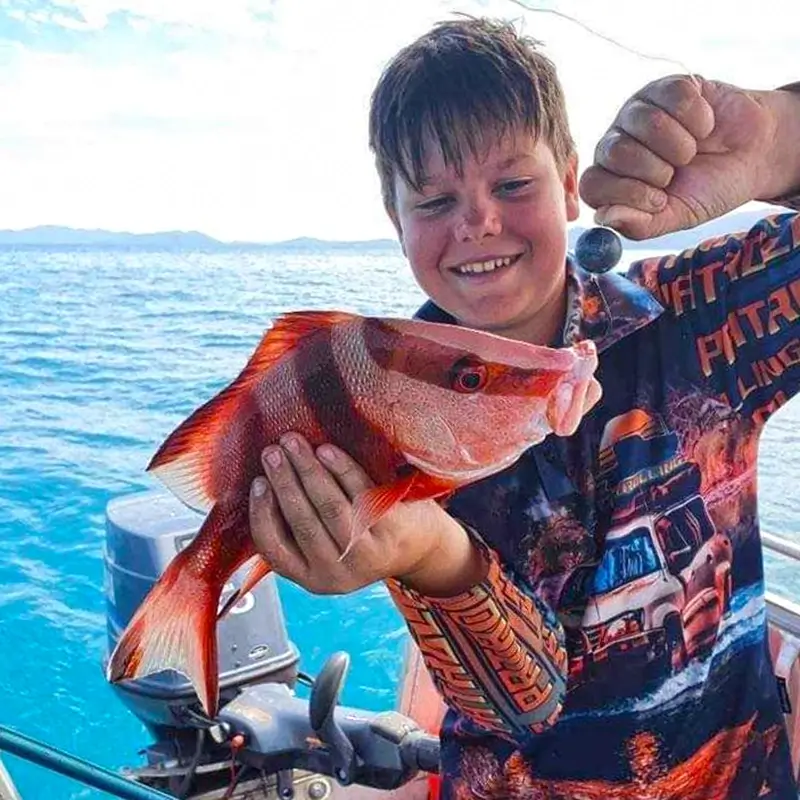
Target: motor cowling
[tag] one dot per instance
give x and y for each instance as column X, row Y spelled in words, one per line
column 144, row 532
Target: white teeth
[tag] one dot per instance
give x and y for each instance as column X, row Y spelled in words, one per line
column 484, row 266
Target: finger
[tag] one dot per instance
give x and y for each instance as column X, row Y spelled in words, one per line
column 593, row 395
column 574, row 405
column 599, row 187
column 269, row 532
column 332, row 505
column 621, row 154
column 583, row 398
column 304, row 525
column 348, row 472
column 682, row 97
column 657, row 131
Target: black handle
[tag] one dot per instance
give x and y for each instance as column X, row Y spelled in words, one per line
column 322, row 705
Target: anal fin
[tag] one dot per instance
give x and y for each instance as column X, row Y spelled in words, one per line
column 258, row 572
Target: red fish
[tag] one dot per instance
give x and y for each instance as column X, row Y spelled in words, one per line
column 425, row 408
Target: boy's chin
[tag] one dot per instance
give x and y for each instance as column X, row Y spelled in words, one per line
column 491, row 323
column 536, row 327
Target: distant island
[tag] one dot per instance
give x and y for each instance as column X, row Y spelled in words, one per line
column 56, row 237
column 59, row 236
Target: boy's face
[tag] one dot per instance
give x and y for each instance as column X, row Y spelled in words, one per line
column 489, row 246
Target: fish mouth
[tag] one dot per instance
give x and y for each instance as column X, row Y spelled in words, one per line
column 487, row 265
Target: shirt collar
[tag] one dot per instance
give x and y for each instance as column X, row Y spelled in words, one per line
column 604, row 308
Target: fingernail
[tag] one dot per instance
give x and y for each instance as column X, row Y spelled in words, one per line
column 658, row 199
column 600, row 214
column 326, row 454
column 291, row 444
column 259, row 487
column 273, row 457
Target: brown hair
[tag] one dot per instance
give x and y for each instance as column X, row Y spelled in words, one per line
column 452, row 85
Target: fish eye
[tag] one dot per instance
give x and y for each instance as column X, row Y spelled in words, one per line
column 468, row 376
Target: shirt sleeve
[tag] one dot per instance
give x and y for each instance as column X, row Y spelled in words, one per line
column 738, row 299
column 791, row 200
column 495, row 652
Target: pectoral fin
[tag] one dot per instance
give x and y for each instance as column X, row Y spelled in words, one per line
column 370, row 506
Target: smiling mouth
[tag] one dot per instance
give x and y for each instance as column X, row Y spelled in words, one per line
column 490, row 265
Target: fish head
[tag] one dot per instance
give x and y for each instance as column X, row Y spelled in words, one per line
column 466, row 404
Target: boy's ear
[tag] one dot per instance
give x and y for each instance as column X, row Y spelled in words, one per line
column 571, row 197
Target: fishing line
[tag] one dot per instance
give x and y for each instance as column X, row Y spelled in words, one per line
column 641, row 54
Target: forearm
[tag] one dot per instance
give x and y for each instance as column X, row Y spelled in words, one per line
column 780, row 179
column 494, row 653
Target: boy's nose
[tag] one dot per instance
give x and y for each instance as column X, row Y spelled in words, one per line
column 481, row 218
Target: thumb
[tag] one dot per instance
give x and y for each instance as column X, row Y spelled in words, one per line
column 629, row 222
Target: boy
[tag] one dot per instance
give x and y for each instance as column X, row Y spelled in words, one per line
column 593, row 616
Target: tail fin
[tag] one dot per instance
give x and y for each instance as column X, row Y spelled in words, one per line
column 258, row 571
column 174, row 628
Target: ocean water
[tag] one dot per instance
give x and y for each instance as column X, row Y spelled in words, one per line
column 101, row 355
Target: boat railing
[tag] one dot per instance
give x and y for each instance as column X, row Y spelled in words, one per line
column 55, row 760
column 781, row 610
column 7, row 789
column 778, row 544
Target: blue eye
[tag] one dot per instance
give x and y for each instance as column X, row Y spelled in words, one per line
column 513, row 186
column 435, row 204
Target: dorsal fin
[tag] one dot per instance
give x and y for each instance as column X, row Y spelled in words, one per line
column 286, row 331
column 184, row 460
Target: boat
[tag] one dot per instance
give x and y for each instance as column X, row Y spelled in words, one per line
column 267, row 741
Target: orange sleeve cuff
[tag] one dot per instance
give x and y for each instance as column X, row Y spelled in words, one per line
column 495, row 653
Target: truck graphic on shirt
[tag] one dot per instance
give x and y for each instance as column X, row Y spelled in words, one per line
column 663, row 582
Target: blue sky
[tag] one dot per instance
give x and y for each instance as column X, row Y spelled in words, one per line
column 246, row 119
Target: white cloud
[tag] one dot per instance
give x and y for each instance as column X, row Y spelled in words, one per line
column 232, row 17
column 261, row 133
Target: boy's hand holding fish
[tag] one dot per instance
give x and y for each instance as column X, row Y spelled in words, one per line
column 301, row 518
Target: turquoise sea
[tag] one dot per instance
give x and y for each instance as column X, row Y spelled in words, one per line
column 102, row 353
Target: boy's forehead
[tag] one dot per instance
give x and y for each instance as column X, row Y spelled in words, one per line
column 493, row 150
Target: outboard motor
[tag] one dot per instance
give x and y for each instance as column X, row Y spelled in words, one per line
column 144, row 531
column 267, row 743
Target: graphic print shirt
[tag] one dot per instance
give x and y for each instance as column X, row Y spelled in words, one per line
column 618, row 646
